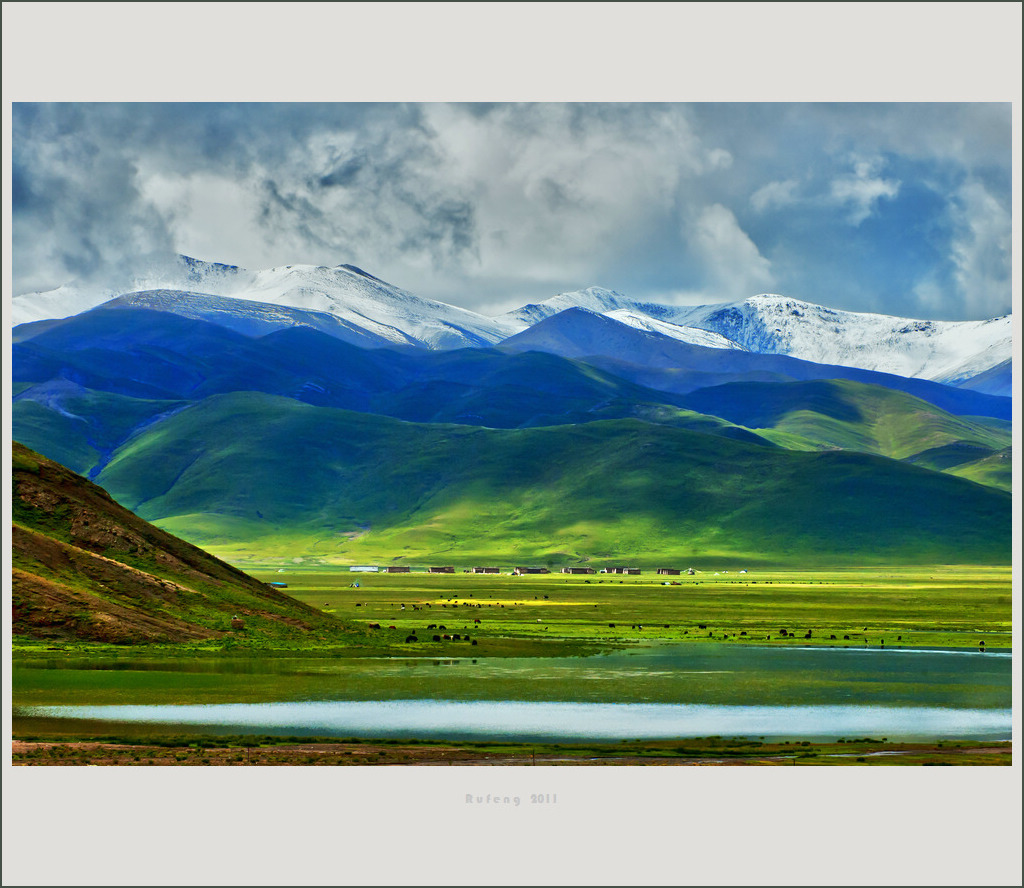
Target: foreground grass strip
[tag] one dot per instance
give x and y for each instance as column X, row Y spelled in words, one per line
column 255, row 751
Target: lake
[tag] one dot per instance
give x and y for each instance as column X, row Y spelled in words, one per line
column 671, row 690
column 518, row 721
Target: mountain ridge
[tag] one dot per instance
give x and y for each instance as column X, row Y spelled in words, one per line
column 673, row 365
column 364, row 306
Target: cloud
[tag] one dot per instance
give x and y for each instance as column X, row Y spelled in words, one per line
column 495, row 205
column 775, row 194
column 77, row 209
column 862, row 191
column 203, row 207
column 931, row 296
column 735, row 267
column 981, row 251
column 555, row 186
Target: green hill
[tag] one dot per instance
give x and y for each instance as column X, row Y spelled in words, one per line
column 259, row 478
column 85, row 568
column 840, row 414
column 80, row 428
column 994, row 469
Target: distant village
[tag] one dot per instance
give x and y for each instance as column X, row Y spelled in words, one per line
column 520, row 571
column 516, row 571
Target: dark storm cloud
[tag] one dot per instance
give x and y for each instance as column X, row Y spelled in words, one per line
column 899, row 208
column 371, row 191
column 295, row 212
column 78, row 208
column 345, row 174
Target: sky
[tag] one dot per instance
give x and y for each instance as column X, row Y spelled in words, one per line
column 897, row 208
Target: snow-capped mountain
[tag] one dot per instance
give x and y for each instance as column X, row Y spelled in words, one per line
column 945, row 351
column 595, row 299
column 356, row 306
column 640, row 315
column 251, row 318
column 666, row 364
column 350, row 294
column 162, row 273
column 353, row 295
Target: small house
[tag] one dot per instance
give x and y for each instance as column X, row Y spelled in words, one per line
column 577, row 570
column 396, row 569
column 668, row 572
column 441, row 570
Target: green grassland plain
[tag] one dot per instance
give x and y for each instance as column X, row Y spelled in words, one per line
column 958, row 606
column 947, row 606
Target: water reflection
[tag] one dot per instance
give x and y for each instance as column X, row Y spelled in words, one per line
column 510, row 720
column 696, row 674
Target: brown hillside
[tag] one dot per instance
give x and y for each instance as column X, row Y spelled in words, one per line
column 87, row 568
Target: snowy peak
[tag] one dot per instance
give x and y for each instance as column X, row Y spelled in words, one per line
column 349, row 293
column 203, row 273
column 354, row 305
column 356, row 299
column 595, row 299
column 945, row 351
column 172, row 272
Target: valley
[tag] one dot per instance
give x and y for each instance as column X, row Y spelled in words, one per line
column 205, row 470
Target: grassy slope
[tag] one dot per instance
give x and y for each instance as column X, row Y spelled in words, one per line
column 85, row 427
column 86, row 568
column 994, row 470
column 258, row 476
column 848, row 415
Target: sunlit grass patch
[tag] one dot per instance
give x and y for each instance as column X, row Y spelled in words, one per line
column 513, row 602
